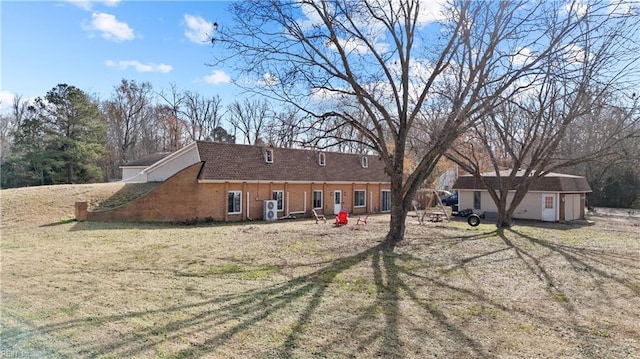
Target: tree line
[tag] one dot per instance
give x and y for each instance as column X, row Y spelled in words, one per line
column 69, row 136
column 539, row 87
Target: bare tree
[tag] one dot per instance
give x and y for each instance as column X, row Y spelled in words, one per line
column 380, row 58
column 127, row 112
column 168, row 132
column 567, row 115
column 250, row 118
column 9, row 123
column 613, row 172
column 202, row 116
column 285, row 128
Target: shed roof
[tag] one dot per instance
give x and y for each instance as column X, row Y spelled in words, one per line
column 554, row 182
column 238, row 162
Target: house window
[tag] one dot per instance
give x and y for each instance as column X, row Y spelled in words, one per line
column 278, row 196
column 235, row 202
column 477, row 195
column 385, row 206
column 321, row 159
column 268, row 155
column 365, row 162
column 317, row 199
column 359, row 198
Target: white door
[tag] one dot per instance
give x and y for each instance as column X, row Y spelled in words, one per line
column 549, row 207
column 337, row 201
column 571, row 207
column 577, row 203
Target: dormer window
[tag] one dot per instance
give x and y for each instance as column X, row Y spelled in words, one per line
column 268, row 155
column 365, row 162
column 321, row 159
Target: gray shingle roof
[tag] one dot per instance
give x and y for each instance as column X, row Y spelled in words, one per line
column 237, row 162
column 556, row 182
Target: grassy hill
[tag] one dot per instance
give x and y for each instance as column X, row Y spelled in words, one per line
column 38, row 205
column 300, row 290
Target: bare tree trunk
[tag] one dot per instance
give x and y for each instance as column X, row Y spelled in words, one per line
column 505, row 219
column 412, row 91
column 397, row 224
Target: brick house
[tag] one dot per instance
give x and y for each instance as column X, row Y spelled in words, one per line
column 234, row 182
column 554, row 197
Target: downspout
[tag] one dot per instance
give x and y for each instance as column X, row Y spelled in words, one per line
column 289, row 213
column 248, row 216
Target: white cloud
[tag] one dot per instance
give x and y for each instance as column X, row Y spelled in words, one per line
column 624, row 7
column 269, row 79
column 521, row 56
column 577, row 8
column 198, row 29
column 139, row 67
column 311, row 17
column 324, row 96
column 217, row 77
column 575, row 54
column 6, row 99
column 88, row 4
column 431, row 11
column 110, row 27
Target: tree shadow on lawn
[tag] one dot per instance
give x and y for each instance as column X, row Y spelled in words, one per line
column 231, row 316
column 589, row 265
column 237, row 313
column 581, row 260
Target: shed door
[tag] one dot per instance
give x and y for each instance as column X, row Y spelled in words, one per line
column 549, row 207
column 571, row 207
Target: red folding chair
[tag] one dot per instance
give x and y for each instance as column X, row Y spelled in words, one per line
column 342, row 218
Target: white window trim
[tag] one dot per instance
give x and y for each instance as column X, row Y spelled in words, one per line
column 365, row 198
column 382, row 198
column 322, row 159
column 268, row 155
column 478, row 195
column 280, row 203
column 313, row 199
column 364, row 161
column 238, row 193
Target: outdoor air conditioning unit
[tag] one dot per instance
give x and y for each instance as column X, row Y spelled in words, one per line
column 270, row 210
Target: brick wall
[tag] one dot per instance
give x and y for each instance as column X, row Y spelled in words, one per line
column 182, row 198
column 174, row 200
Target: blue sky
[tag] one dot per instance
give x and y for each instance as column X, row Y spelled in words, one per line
column 94, row 44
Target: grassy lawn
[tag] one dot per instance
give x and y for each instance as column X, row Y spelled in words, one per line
column 294, row 289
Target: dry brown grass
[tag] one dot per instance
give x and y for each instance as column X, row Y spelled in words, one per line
column 300, row 290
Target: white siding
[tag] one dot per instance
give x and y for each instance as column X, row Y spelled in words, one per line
column 529, row 208
column 130, row 174
column 170, row 165
column 465, row 199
